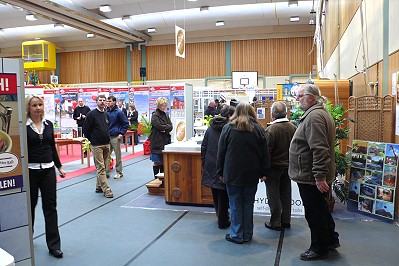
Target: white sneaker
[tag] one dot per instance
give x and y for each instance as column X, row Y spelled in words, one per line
column 117, row 176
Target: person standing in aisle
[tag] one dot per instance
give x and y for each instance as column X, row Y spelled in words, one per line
column 211, row 109
column 278, row 184
column 218, row 106
column 312, row 166
column 42, row 157
column 133, row 116
column 242, row 160
column 118, row 125
column 96, row 131
column 80, row 112
column 210, row 178
column 160, row 134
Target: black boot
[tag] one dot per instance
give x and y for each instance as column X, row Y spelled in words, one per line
column 161, row 168
column 155, row 168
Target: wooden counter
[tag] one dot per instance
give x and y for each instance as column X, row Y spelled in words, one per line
column 183, row 174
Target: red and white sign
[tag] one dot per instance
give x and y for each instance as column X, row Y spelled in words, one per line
column 8, row 83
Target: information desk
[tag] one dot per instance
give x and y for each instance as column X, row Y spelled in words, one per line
column 183, row 174
column 65, row 142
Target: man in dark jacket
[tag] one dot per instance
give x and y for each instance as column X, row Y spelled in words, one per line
column 278, row 184
column 118, row 125
column 211, row 110
column 95, row 129
column 80, row 112
column 210, row 178
column 312, row 166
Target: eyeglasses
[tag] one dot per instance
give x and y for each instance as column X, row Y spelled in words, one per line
column 299, row 96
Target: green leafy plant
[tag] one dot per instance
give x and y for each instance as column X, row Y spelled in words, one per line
column 86, row 145
column 207, row 119
column 342, row 161
column 143, row 128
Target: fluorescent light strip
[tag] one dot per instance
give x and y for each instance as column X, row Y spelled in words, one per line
column 219, row 23
column 31, row 17
column 105, row 8
column 151, row 30
column 294, row 19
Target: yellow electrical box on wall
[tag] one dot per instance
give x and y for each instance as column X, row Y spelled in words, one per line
column 39, row 55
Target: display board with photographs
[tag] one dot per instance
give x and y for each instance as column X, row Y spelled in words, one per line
column 373, row 176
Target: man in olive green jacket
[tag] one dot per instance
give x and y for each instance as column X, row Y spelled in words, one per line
column 312, row 166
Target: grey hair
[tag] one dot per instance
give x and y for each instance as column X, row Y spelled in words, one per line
column 279, row 110
column 315, row 91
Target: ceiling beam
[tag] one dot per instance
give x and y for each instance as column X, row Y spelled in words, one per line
column 81, row 21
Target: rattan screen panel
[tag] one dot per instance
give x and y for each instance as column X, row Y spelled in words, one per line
column 374, row 118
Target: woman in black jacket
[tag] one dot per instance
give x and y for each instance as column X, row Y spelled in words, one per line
column 161, row 126
column 132, row 116
column 243, row 159
column 209, row 149
column 42, row 157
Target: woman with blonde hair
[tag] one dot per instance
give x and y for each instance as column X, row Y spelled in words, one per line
column 160, row 134
column 42, row 157
column 242, row 160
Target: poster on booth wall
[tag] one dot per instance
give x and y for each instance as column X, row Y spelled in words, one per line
column 49, row 106
column 373, row 176
column 141, row 100
column 121, row 95
column 103, row 91
column 177, row 113
column 155, row 93
column 261, row 204
column 89, row 96
column 11, row 180
column 66, row 104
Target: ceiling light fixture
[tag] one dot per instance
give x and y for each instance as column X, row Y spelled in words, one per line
column 219, row 23
column 311, row 22
column 192, row 0
column 90, row 35
column 31, row 17
column 204, row 9
column 105, row 8
column 126, row 17
column 294, row 19
column 292, row 3
column 58, row 25
column 151, row 30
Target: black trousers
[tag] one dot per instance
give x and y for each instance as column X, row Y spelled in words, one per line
column 278, row 191
column 221, row 202
column 318, row 216
column 45, row 181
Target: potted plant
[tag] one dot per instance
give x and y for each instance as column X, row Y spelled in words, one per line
column 143, row 129
column 342, row 161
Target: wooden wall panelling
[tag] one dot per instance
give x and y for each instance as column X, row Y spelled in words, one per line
column 347, row 10
column 136, row 64
column 274, row 57
column 93, row 66
column 330, row 29
column 360, row 86
column 339, row 13
column 202, row 60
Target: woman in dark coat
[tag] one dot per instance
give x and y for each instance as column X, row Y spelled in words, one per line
column 209, row 149
column 161, row 126
column 243, row 159
column 133, row 116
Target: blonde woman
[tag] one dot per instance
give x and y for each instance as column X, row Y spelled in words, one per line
column 42, row 157
column 242, row 159
column 160, row 134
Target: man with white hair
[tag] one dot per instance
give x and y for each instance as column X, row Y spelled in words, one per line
column 312, row 166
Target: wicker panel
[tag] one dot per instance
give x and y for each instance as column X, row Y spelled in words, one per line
column 374, row 118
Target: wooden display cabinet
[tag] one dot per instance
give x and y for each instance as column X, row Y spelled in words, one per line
column 183, row 175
